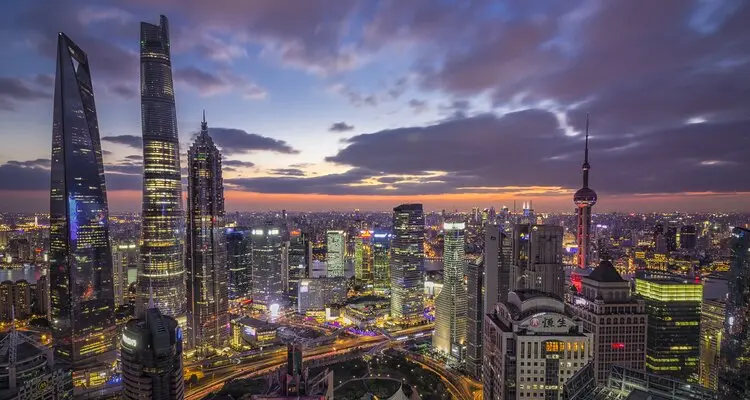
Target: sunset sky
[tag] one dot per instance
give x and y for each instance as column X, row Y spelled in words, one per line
column 340, row 104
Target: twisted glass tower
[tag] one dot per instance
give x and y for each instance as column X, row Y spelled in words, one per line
column 162, row 274
column 206, row 256
column 81, row 295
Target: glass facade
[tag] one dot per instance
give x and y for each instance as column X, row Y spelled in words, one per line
column 407, row 263
column 206, row 255
column 267, row 249
column 673, row 332
column 734, row 378
column 363, row 259
column 299, row 256
column 450, row 305
column 82, row 293
column 335, row 251
column 712, row 332
column 239, row 263
column 162, row 273
column 381, row 262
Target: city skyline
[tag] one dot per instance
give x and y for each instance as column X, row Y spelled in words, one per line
column 510, row 94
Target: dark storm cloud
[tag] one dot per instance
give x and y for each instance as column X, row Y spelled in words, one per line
column 236, row 141
column 340, row 127
column 237, row 163
column 529, row 148
column 45, row 80
column 124, row 91
column 128, row 140
column 16, row 90
column 288, row 171
column 43, row 163
column 35, row 175
column 201, row 80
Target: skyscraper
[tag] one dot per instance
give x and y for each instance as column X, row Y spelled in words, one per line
column 300, row 257
column 381, row 262
column 474, row 317
column 239, row 263
column 266, row 255
column 537, row 259
column 617, row 322
column 206, row 256
column 407, row 263
column 335, row 249
column 734, row 378
column 363, row 259
column 450, row 305
column 498, row 248
column 673, row 335
column 82, row 295
column 585, row 198
column 151, row 349
column 162, row 271
column 713, row 313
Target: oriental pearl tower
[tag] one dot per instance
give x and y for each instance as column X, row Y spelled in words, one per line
column 585, row 198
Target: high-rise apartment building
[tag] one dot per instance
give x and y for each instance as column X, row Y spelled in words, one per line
column 206, row 255
column 407, row 263
column 82, row 295
column 450, row 306
column 6, row 301
column 498, row 249
column 734, row 377
column 713, row 313
column 151, row 349
column 688, row 238
column 474, row 317
column 239, row 263
column 537, row 259
column 584, row 198
column 616, row 321
column 335, row 251
column 161, row 274
column 267, row 249
column 381, row 262
column 673, row 334
column 41, row 294
column 22, row 298
column 531, row 347
column 363, row 259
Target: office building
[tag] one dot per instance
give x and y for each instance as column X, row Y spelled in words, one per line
column 22, row 299
column 161, row 273
column 206, row 255
column 673, row 334
column 249, row 333
column 531, row 347
column 474, row 317
column 80, row 258
column 28, row 370
column 497, row 268
column 381, row 262
column 631, row 384
column 537, row 259
column 734, row 377
column 688, row 238
column 363, row 259
column 314, row 294
column 450, row 306
column 266, row 258
column 713, row 313
column 151, row 359
column 585, row 199
column 124, row 255
column 616, row 321
column 335, row 251
column 41, row 295
column 407, row 264
column 300, row 257
column 239, row 263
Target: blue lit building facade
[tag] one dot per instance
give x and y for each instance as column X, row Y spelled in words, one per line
column 734, row 376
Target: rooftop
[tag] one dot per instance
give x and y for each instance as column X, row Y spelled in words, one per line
column 605, row 272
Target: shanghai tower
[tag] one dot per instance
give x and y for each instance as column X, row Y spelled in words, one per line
column 161, row 275
column 82, row 293
column 206, row 256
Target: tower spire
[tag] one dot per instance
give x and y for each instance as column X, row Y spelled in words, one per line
column 586, row 153
column 586, row 165
column 204, row 124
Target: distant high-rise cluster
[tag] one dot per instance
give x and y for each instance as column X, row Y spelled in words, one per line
column 161, row 277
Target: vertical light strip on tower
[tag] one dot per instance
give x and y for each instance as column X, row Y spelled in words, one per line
column 162, row 221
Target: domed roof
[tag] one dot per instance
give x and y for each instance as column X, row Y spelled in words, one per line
column 585, row 195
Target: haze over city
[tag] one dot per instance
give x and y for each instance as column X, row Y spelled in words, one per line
column 369, row 104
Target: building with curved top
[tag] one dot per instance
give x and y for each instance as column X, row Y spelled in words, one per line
column 531, row 347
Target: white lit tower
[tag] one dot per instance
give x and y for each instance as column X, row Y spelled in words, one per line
column 585, row 198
